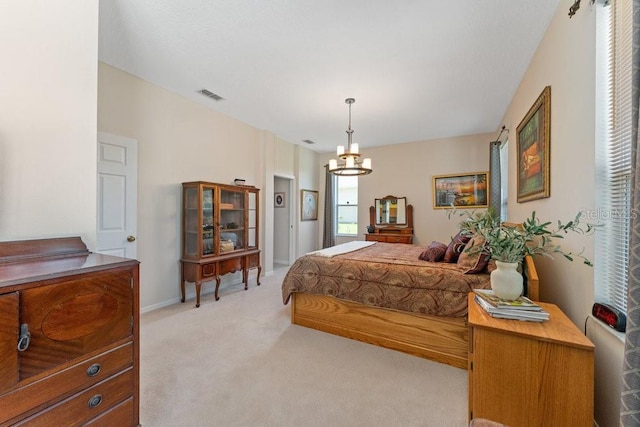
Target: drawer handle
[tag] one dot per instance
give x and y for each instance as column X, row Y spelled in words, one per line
column 93, row 370
column 25, row 337
column 95, row 401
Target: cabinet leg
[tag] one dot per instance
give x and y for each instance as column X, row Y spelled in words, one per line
column 198, row 286
column 259, row 271
column 245, row 278
column 217, row 287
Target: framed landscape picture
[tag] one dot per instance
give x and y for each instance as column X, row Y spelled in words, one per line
column 532, row 140
column 469, row 190
column 309, row 205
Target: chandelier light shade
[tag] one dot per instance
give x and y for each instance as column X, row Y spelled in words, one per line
column 350, row 158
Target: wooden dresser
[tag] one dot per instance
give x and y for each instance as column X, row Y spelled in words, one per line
column 527, row 373
column 390, row 233
column 69, row 323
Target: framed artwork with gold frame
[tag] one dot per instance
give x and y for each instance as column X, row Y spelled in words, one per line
column 468, row 190
column 533, row 139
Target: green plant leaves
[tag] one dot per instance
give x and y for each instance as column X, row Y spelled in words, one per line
column 510, row 243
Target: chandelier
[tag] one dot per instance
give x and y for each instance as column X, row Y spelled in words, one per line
column 351, row 164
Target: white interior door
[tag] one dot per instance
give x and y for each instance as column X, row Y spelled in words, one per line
column 117, row 195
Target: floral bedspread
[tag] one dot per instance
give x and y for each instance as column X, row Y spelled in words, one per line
column 386, row 275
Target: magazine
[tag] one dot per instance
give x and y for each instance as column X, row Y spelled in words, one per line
column 505, row 313
column 522, row 303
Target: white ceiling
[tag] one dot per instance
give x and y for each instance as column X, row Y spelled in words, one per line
column 418, row 69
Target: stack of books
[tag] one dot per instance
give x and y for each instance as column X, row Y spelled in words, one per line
column 520, row 309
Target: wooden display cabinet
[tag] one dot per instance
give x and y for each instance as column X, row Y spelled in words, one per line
column 219, row 233
column 528, row 373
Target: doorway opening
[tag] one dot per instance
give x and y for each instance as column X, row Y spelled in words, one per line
column 283, row 214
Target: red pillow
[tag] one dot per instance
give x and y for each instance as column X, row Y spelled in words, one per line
column 434, row 252
column 456, row 247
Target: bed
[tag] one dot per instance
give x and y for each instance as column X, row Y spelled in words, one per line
column 383, row 294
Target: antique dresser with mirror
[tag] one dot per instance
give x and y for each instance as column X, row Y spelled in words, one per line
column 391, row 221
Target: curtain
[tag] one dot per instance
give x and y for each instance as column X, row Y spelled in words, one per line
column 328, row 238
column 630, row 402
column 495, row 184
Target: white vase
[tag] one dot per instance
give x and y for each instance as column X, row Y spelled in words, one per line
column 506, row 281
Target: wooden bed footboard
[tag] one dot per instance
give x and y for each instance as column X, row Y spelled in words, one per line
column 441, row 339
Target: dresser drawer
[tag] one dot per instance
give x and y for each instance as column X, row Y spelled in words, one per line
column 389, row 238
column 86, row 405
column 230, row 265
column 65, row 382
column 73, row 318
column 399, row 239
column 121, row 415
column 208, row 270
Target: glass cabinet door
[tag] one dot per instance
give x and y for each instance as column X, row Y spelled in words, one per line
column 232, row 221
column 252, row 234
column 208, row 230
column 191, row 221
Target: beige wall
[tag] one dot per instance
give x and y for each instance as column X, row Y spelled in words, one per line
column 570, row 71
column 48, row 119
column 180, row 140
column 565, row 60
column 408, row 169
column 307, row 171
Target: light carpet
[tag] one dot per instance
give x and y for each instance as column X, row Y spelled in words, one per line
column 240, row 362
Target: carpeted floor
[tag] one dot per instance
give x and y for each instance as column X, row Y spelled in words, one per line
column 239, row 362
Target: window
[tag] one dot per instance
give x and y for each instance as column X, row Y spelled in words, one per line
column 347, row 205
column 613, row 153
column 504, row 179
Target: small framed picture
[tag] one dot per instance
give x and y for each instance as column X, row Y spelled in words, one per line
column 279, row 200
column 309, row 205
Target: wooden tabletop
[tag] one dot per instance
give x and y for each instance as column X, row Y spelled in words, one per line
column 559, row 328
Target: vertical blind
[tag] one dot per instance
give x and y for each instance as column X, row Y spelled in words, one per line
column 613, row 165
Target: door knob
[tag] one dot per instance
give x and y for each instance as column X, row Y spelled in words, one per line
column 131, row 239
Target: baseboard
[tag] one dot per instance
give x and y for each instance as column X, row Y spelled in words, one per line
column 191, row 295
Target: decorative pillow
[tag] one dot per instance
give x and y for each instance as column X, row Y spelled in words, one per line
column 456, row 247
column 434, row 252
column 473, row 258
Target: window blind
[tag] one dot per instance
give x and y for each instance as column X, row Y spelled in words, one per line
column 613, row 161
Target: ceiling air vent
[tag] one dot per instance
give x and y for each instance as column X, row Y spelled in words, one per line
column 210, row 94
column 308, row 141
